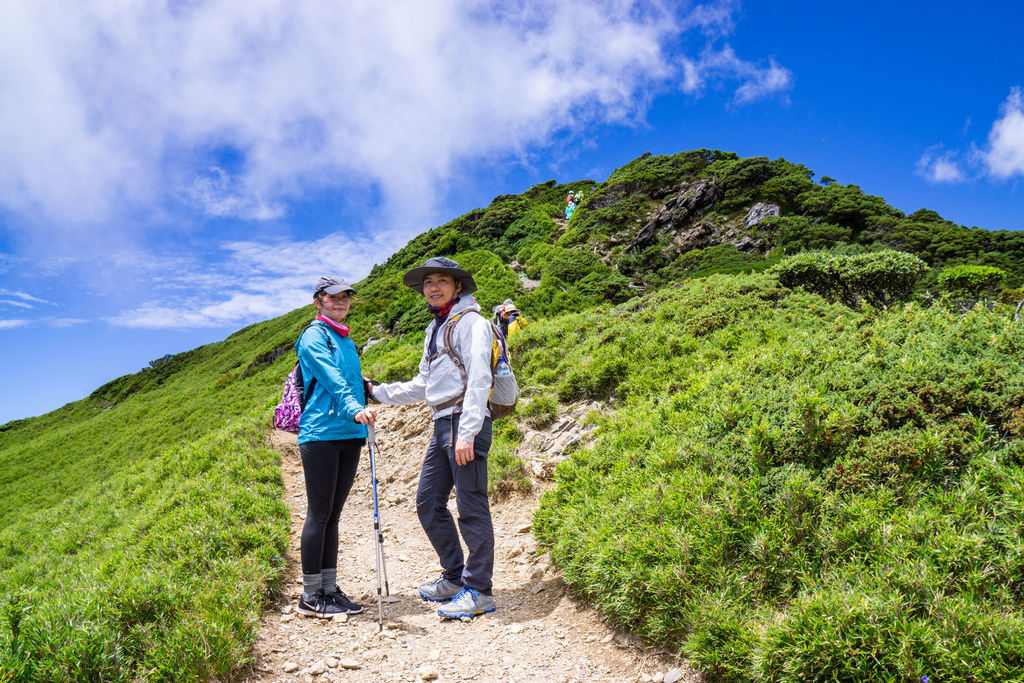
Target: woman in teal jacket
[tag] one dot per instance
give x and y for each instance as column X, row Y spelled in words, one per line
column 332, row 432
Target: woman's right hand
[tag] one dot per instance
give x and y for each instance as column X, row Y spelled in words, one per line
column 367, row 416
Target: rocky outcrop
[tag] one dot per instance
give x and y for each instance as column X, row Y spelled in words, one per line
column 708, row 234
column 679, row 211
column 759, row 212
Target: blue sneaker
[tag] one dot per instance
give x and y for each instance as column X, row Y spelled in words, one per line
column 468, row 603
column 440, row 590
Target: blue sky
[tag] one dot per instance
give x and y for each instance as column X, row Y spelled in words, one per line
column 173, row 171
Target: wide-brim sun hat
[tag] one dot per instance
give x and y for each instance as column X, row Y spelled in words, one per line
column 439, row 264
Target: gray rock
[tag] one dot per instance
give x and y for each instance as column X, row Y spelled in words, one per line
column 688, row 203
column 759, row 212
column 673, row 676
column 290, row 667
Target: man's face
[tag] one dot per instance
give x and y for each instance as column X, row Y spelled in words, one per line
column 439, row 288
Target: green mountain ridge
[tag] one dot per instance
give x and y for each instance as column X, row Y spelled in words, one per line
column 788, row 488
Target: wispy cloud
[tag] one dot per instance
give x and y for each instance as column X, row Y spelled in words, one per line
column 254, row 281
column 216, row 195
column 10, row 324
column 1003, row 155
column 940, row 166
column 25, row 299
column 714, row 67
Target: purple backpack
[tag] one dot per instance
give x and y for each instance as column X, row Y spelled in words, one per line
column 294, row 396
column 289, row 411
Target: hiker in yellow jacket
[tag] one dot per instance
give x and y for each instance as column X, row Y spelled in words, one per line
column 512, row 319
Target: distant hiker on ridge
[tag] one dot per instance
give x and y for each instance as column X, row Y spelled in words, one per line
column 457, row 454
column 332, row 432
column 501, row 317
column 512, row 318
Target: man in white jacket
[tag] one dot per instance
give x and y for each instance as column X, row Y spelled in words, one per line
column 456, row 382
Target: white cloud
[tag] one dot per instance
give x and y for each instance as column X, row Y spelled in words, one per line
column 10, row 324
column 127, row 104
column 1004, row 154
column 114, row 101
column 716, row 66
column 17, row 304
column 938, row 166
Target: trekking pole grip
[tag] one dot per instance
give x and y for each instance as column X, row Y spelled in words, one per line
column 371, row 436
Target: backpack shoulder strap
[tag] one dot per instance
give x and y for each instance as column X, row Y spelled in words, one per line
column 327, row 333
column 306, row 390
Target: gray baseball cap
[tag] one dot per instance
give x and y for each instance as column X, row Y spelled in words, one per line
column 332, row 285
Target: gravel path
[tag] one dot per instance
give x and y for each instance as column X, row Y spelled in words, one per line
column 540, row 632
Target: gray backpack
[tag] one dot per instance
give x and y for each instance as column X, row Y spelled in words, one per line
column 504, row 387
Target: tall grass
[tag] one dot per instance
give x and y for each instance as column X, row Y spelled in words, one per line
column 159, row 572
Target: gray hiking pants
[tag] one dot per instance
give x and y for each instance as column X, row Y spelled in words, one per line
column 439, row 475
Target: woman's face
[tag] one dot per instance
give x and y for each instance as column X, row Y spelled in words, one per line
column 334, row 306
column 439, row 288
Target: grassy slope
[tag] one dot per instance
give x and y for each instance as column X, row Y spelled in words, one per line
column 141, row 524
column 794, row 490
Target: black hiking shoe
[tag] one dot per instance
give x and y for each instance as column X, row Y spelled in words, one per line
column 320, row 606
column 342, row 601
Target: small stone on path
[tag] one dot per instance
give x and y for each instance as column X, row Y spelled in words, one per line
column 517, row 628
column 348, row 663
column 434, row 655
column 331, row 662
column 525, row 528
column 427, row 672
column 290, row 667
column 673, row 676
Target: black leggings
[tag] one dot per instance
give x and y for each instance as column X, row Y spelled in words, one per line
column 329, row 468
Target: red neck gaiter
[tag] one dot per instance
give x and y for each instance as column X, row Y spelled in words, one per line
column 441, row 312
column 337, row 327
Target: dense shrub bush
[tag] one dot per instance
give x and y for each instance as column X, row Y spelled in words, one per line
column 969, row 284
column 880, row 278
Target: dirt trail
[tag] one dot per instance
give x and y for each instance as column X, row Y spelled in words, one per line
column 540, row 632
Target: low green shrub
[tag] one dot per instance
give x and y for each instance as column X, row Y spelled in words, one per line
column 540, row 411
column 506, row 471
column 797, row 490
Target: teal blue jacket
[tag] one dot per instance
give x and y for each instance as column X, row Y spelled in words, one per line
column 338, row 393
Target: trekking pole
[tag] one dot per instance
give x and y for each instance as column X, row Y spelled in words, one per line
column 381, row 566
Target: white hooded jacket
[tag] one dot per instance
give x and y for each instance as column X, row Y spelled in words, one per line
column 440, row 380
